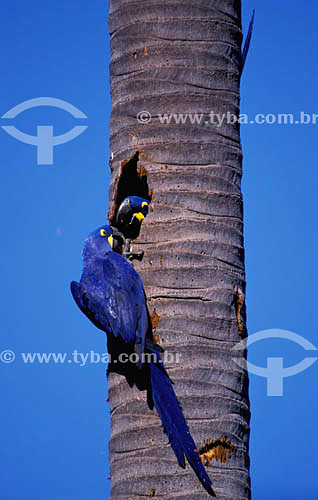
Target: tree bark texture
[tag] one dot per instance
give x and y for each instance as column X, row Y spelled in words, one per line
column 182, row 56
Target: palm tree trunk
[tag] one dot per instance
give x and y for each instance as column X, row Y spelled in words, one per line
column 182, row 56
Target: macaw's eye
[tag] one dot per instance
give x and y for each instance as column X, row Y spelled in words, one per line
column 144, row 204
column 102, row 232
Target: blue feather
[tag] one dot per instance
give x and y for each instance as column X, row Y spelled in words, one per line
column 173, row 421
column 247, row 41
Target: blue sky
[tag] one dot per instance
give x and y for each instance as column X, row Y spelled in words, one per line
column 54, row 419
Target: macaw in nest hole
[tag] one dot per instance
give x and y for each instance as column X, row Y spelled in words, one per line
column 130, row 213
column 111, row 294
column 126, row 225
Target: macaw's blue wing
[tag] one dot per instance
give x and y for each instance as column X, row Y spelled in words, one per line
column 112, row 297
column 90, row 307
column 126, row 297
column 248, row 40
column 174, row 423
column 77, row 295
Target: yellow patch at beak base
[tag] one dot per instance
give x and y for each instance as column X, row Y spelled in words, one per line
column 139, row 216
column 111, row 240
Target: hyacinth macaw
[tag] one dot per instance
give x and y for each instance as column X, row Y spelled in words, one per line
column 111, row 294
column 126, row 225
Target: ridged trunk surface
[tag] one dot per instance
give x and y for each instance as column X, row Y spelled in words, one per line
column 182, row 56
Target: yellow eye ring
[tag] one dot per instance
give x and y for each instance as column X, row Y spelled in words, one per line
column 144, row 204
column 102, row 232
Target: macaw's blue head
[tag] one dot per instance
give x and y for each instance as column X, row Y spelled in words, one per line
column 139, row 205
column 98, row 243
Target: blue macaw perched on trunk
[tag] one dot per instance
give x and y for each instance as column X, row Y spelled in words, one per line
column 111, row 294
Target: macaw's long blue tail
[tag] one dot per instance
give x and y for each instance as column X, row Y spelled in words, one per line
column 173, row 421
